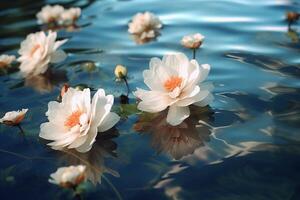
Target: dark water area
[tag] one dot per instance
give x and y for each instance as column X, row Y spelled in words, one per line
column 246, row 145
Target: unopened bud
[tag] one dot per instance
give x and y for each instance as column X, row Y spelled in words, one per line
column 120, row 71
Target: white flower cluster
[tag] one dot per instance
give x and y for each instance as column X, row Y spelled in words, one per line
column 58, row 14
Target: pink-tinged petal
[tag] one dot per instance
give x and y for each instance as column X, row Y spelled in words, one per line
column 78, row 142
column 176, row 115
column 88, row 144
column 51, row 131
column 175, row 93
column 59, row 43
column 200, row 96
column 206, row 101
column 176, row 61
column 58, row 56
column 109, row 121
column 204, row 71
column 152, row 101
column 150, row 77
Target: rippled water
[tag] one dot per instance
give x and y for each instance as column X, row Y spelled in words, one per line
column 247, row 144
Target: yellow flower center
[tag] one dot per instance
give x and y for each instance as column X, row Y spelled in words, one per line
column 34, row 49
column 172, row 83
column 73, row 119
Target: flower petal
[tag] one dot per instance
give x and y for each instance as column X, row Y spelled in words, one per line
column 58, row 56
column 109, row 121
column 176, row 115
column 152, row 101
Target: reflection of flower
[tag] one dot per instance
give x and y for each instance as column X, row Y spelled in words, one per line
column 6, row 60
column 69, row 16
column 145, row 25
column 45, row 82
column 75, row 122
column 49, row 14
column 68, row 177
column 193, row 41
column 179, row 140
column 38, row 50
column 94, row 160
column 174, row 82
column 13, row 118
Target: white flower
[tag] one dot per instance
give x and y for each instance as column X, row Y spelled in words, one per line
column 6, row 60
column 38, row 50
column 49, row 14
column 145, row 25
column 68, row 177
column 193, row 41
column 174, row 82
column 13, row 118
column 75, row 122
column 69, row 16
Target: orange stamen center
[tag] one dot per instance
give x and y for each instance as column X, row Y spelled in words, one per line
column 172, row 83
column 34, row 49
column 73, row 119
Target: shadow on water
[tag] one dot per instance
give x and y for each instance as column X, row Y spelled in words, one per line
column 267, row 63
column 283, row 107
column 257, row 175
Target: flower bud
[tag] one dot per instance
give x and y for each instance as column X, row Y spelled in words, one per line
column 120, row 71
column 292, row 16
column 64, row 89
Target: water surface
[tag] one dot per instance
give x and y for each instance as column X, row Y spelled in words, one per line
column 246, row 145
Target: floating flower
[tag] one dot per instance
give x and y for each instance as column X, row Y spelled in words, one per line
column 193, row 41
column 38, row 50
column 13, row 118
column 49, row 14
column 68, row 177
column 75, row 121
column 174, row 82
column 120, row 72
column 145, row 25
column 69, row 16
column 6, row 60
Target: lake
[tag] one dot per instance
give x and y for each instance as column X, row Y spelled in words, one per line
column 245, row 145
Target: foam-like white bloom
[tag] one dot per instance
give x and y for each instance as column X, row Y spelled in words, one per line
column 145, row 25
column 193, row 41
column 174, row 82
column 6, row 60
column 75, row 121
column 69, row 16
column 68, row 177
column 38, row 50
column 49, row 14
column 13, row 118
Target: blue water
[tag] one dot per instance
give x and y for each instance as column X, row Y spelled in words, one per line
column 246, row 145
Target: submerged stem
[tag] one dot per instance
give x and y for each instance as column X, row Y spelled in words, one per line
column 194, row 53
column 127, row 85
column 21, row 129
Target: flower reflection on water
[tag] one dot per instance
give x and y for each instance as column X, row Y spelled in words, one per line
column 176, row 141
column 94, row 160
